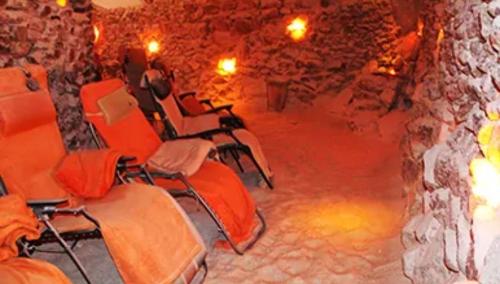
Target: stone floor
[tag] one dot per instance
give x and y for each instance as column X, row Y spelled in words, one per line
column 334, row 216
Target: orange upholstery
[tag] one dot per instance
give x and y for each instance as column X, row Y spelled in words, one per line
column 218, row 184
column 13, row 80
column 31, row 145
column 127, row 135
column 192, row 105
column 129, row 214
column 30, row 271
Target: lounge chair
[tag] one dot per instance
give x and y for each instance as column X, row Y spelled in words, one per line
column 227, row 140
column 147, row 234
column 135, row 63
column 18, row 222
column 117, row 122
column 159, row 99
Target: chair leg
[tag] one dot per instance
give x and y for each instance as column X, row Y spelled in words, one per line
column 68, row 250
column 248, row 152
column 221, row 228
column 237, row 158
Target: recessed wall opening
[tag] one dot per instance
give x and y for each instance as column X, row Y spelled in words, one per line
column 263, row 141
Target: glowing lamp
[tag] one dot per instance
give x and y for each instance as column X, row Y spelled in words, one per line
column 153, row 47
column 420, row 27
column 61, row 3
column 97, row 33
column 486, row 182
column 226, row 66
column 297, row 29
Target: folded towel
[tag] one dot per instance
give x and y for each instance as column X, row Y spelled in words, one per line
column 184, row 156
column 22, row 270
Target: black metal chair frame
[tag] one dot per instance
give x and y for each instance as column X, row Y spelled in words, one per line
column 44, row 211
column 140, row 171
column 232, row 148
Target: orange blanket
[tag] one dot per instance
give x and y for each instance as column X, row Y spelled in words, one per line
column 30, row 271
column 226, row 195
column 88, row 174
column 16, row 221
column 149, row 237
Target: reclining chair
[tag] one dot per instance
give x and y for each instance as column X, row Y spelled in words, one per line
column 17, row 221
column 135, row 63
column 227, row 140
column 166, row 247
column 117, row 122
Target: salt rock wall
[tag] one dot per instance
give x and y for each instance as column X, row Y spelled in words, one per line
column 60, row 39
column 194, row 35
column 457, row 79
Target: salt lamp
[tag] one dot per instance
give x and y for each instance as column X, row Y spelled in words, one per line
column 153, row 47
column 97, row 33
column 297, row 28
column 62, row 3
column 226, row 66
column 486, row 182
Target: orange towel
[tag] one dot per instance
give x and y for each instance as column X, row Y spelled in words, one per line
column 226, row 195
column 149, row 237
column 88, row 174
column 30, row 271
column 16, row 221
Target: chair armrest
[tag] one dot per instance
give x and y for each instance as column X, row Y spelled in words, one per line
column 46, row 202
column 188, row 94
column 217, row 109
column 207, row 134
column 207, row 102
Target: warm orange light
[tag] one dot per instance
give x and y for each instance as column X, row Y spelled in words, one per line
column 484, row 213
column 420, row 27
column 486, row 182
column 226, row 66
column 97, row 33
column 153, row 47
column 62, row 3
column 297, row 28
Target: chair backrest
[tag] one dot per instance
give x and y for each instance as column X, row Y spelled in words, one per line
column 130, row 133
column 30, row 142
column 168, row 103
column 134, row 65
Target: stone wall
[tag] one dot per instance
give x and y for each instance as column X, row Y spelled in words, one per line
column 60, row 39
column 193, row 35
column 457, row 81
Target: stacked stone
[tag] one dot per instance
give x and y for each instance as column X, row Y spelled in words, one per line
column 61, row 40
column 195, row 34
column 452, row 100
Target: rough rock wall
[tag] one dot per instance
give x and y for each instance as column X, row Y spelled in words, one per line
column 193, row 35
column 60, row 39
column 457, row 80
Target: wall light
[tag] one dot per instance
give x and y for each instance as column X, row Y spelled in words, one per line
column 226, row 66
column 97, row 34
column 297, row 28
column 62, row 3
column 153, row 46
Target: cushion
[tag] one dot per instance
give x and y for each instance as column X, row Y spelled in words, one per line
column 37, row 109
column 117, row 105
